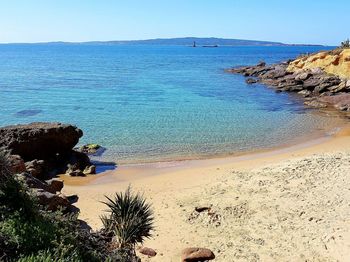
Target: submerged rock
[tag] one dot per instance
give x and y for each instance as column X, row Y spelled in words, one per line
column 89, row 148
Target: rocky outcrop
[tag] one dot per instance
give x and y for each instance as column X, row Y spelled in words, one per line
column 195, row 254
column 313, row 83
column 47, row 149
column 335, row 62
column 48, row 193
column 39, row 140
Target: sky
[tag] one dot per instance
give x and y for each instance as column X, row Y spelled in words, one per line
column 289, row 21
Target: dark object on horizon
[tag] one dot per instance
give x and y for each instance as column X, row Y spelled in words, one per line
column 194, row 44
column 210, row 46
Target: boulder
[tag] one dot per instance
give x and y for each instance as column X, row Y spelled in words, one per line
column 195, row 254
column 77, row 160
column 148, row 251
column 37, row 168
column 316, row 71
column 51, row 201
column 16, row 164
column 89, row 149
column 32, row 182
column 54, row 185
column 90, row 170
column 39, row 140
column 302, row 76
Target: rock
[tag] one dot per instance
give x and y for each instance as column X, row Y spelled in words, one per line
column 302, row 76
column 347, row 84
column 148, row 251
column 311, row 83
column 39, row 140
column 54, row 185
column 201, row 209
column 37, row 168
column 89, row 149
column 51, row 201
column 316, row 71
column 90, row 170
column 251, row 81
column 195, row 254
column 339, row 88
column 261, row 63
column 304, row 93
column 16, row 164
column 315, row 104
column 77, row 160
column 32, row 182
column 76, row 172
column 339, row 101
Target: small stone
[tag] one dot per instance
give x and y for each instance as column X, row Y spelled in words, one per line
column 148, row 251
column 201, row 209
column 195, row 254
column 251, row 81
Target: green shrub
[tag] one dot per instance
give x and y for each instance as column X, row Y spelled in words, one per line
column 29, row 232
column 130, row 219
column 345, row 44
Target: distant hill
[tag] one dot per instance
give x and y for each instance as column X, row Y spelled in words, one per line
column 187, row 41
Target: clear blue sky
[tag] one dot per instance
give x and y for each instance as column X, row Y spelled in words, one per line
column 293, row 21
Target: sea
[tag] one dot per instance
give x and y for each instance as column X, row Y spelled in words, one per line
column 151, row 103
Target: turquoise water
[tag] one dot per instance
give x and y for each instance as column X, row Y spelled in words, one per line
column 153, row 103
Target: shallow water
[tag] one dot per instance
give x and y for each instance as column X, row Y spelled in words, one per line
column 153, row 103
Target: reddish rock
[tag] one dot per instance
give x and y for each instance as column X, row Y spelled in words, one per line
column 54, row 185
column 195, row 254
column 148, row 251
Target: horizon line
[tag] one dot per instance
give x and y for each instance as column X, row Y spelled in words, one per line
column 164, row 38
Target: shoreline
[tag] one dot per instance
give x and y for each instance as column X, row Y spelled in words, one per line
column 133, row 171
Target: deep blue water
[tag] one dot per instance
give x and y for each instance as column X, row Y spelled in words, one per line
column 151, row 103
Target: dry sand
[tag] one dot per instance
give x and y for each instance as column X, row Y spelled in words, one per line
column 287, row 205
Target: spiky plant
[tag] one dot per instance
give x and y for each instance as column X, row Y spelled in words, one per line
column 130, row 219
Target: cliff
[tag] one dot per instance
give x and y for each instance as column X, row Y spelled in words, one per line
column 335, row 62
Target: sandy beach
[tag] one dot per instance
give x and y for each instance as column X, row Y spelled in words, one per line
column 290, row 204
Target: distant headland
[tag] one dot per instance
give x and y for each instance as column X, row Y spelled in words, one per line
column 185, row 41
